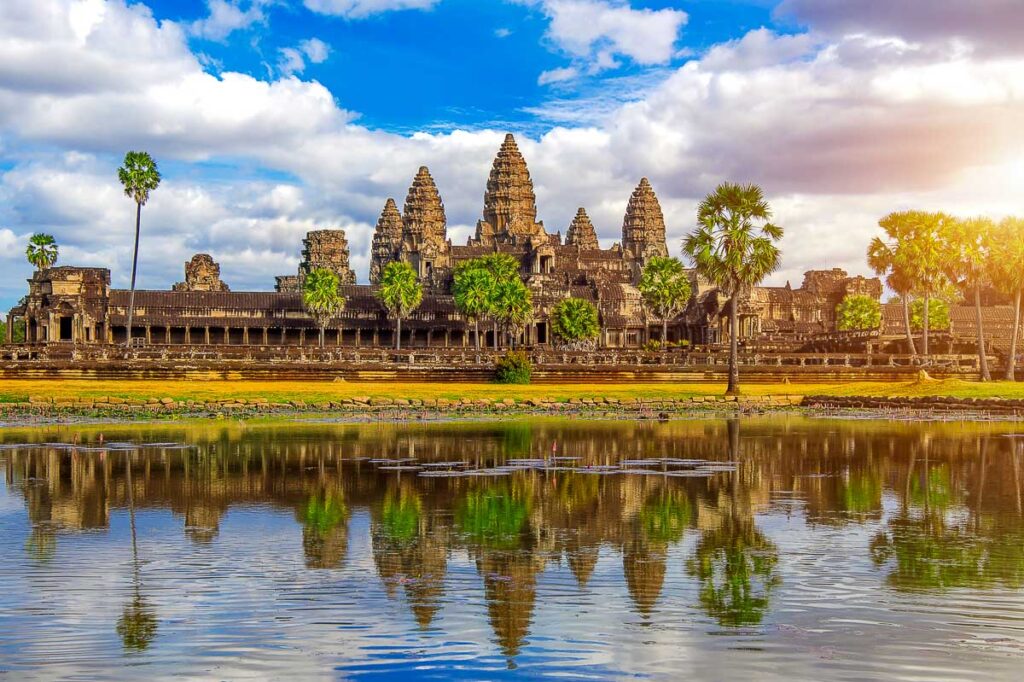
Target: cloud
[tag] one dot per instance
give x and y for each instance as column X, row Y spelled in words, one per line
column 227, row 17
column 502, row 32
column 994, row 25
column 359, row 9
column 292, row 60
column 597, row 33
column 558, row 75
column 839, row 130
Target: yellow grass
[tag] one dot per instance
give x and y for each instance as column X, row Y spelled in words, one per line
column 313, row 392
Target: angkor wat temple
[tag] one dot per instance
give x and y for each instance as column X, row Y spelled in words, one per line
column 78, row 305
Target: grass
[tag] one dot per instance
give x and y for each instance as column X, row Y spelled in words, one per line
column 313, row 392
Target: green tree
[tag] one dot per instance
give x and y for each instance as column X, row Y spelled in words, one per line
column 858, row 313
column 969, row 264
column 502, row 267
column 400, row 292
column 322, row 297
column 665, row 288
column 139, row 177
column 575, row 320
column 17, row 332
column 919, row 248
column 41, row 250
column 734, row 247
column 890, row 259
column 938, row 314
column 472, row 293
column 1008, row 261
column 511, row 306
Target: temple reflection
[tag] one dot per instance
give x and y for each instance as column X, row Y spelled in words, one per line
column 943, row 503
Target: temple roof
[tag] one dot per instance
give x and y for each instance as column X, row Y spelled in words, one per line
column 644, row 222
column 510, row 203
column 581, row 231
column 423, row 216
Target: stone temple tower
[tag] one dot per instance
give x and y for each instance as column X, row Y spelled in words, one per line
column 510, row 205
column 387, row 240
column 424, row 229
column 581, row 232
column 643, row 227
column 327, row 249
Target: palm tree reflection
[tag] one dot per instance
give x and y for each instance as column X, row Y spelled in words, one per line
column 137, row 624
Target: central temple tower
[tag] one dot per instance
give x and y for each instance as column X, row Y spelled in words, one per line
column 510, row 205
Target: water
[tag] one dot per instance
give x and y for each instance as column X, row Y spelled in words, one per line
column 819, row 549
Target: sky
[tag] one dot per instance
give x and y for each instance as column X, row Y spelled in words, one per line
column 270, row 118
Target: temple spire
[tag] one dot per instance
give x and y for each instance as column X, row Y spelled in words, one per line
column 581, row 232
column 387, row 238
column 510, row 204
column 643, row 227
column 423, row 216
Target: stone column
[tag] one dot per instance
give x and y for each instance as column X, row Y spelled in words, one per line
column 266, row 335
column 430, row 334
column 302, row 337
column 227, row 335
column 359, row 336
column 206, row 335
column 188, row 335
column 167, row 335
column 10, row 328
column 149, row 334
column 245, row 336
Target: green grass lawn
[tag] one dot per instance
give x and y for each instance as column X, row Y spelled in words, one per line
column 313, row 392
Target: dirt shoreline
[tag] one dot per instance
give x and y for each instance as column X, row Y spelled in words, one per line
column 41, row 411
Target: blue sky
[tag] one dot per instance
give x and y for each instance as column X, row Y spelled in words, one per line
column 270, row 118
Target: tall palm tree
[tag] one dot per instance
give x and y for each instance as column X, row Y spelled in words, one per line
column 472, row 293
column 512, row 307
column 734, row 247
column 41, row 250
column 502, row 267
column 1008, row 260
column 322, row 298
column 400, row 292
column 888, row 259
column 969, row 264
column 139, row 176
column 665, row 289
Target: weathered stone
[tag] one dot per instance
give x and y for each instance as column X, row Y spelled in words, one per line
column 581, row 232
column 643, row 226
column 387, row 240
column 202, row 273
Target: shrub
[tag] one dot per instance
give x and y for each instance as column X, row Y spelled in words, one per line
column 513, row 368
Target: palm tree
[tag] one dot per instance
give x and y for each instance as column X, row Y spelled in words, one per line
column 511, row 306
column 575, row 320
column 665, row 289
column 502, row 267
column 892, row 259
column 41, row 251
column 1008, row 260
column 969, row 264
column 321, row 297
column 472, row 293
column 400, row 292
column 734, row 247
column 139, row 176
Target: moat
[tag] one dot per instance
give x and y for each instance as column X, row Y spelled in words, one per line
column 780, row 547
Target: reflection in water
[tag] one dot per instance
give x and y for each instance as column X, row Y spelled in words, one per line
column 917, row 509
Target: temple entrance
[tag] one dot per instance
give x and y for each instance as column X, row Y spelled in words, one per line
column 542, row 332
column 64, row 330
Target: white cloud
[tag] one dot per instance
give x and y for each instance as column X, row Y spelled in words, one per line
column 292, row 60
column 315, row 49
column 597, row 32
column 226, row 17
column 502, row 32
column 358, row 9
column 557, row 75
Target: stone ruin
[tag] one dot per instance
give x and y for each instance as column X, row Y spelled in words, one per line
column 202, row 273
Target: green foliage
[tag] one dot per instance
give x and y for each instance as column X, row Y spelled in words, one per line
column 858, row 313
column 1008, row 255
column 42, row 250
column 664, row 286
column 400, row 516
column 472, row 289
column 325, row 511
column 137, row 625
column 511, row 305
column 500, row 265
column 513, row 367
column 665, row 518
column 19, row 332
column 938, row 314
column 736, row 567
column 733, row 246
column 400, row 291
column 575, row 320
column 495, row 517
column 139, row 176
column 322, row 298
